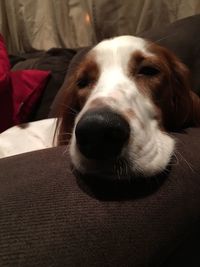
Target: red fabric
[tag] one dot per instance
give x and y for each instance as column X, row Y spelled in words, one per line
column 19, row 91
column 5, row 89
column 4, row 66
column 27, row 87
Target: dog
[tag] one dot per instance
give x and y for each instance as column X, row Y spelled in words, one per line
column 120, row 105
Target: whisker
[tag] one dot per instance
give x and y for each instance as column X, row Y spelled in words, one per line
column 165, row 37
column 187, row 162
column 74, row 111
column 72, row 169
column 70, row 134
column 166, row 171
column 66, row 151
column 121, row 168
column 174, row 162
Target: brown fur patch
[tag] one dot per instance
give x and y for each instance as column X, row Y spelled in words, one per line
column 129, row 114
column 169, row 90
column 74, row 96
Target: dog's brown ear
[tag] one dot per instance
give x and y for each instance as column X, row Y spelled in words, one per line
column 186, row 102
column 68, row 100
column 181, row 107
column 180, row 101
column 195, row 111
column 67, row 109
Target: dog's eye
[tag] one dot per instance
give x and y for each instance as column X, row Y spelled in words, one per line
column 148, row 71
column 83, row 82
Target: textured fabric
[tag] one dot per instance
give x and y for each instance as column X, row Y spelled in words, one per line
column 30, row 136
column 27, row 86
column 55, row 60
column 29, row 24
column 4, row 66
column 5, row 89
column 50, row 218
column 21, row 94
column 35, row 24
column 19, row 91
column 113, row 18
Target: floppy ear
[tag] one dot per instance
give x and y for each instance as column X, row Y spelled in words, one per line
column 186, row 102
column 68, row 101
column 181, row 107
column 195, row 112
column 68, row 108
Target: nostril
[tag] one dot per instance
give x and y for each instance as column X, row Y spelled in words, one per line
column 101, row 134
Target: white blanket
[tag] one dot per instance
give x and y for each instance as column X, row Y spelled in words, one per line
column 27, row 137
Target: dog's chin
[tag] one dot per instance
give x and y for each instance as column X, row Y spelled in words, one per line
column 105, row 176
column 118, row 170
column 107, row 170
column 116, row 184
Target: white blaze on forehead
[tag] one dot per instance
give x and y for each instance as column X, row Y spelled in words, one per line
column 117, row 51
column 113, row 57
column 122, row 41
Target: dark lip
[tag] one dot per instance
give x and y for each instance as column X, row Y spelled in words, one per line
column 106, row 186
column 103, row 171
column 107, row 170
column 100, row 176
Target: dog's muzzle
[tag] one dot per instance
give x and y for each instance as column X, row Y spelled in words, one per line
column 101, row 134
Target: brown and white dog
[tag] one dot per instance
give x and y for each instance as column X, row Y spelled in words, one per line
column 128, row 94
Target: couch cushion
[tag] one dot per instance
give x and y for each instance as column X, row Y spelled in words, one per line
column 50, row 218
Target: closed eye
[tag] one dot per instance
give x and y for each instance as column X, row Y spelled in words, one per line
column 83, row 82
column 148, row 71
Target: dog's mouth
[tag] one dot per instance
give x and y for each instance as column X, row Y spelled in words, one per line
column 108, row 170
column 117, row 181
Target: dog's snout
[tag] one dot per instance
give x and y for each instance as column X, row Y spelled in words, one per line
column 101, row 134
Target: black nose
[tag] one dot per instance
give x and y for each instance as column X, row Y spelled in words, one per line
column 101, row 134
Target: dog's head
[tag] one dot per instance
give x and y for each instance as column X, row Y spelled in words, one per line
column 119, row 104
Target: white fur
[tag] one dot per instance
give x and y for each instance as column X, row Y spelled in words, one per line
column 149, row 149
